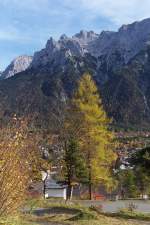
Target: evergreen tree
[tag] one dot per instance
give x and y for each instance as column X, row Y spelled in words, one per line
column 74, row 165
column 127, row 183
column 141, row 166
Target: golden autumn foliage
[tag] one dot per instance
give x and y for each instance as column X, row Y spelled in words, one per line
column 92, row 127
column 19, row 161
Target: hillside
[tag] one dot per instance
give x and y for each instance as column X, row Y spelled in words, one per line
column 118, row 61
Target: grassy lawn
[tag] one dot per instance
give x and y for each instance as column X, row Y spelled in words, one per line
column 47, row 213
column 130, row 215
column 62, row 220
column 14, row 220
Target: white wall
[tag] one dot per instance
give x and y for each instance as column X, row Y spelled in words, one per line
column 57, row 193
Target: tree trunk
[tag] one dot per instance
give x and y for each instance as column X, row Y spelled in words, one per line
column 90, row 176
column 90, row 191
column 69, row 192
column 90, row 183
column 44, row 188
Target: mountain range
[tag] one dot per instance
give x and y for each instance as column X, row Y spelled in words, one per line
column 119, row 62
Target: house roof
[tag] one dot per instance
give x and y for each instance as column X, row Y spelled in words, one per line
column 52, row 184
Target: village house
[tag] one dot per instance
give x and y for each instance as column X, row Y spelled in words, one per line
column 52, row 189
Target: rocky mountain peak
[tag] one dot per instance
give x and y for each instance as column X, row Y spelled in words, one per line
column 51, row 44
column 85, row 36
column 138, row 26
column 121, row 46
column 18, row 65
column 126, row 43
column 63, row 37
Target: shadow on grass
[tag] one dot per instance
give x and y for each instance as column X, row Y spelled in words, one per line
column 84, row 216
column 56, row 210
column 62, row 214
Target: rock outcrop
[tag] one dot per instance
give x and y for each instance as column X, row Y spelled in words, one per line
column 18, row 65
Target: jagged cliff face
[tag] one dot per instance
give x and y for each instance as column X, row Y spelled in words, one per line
column 126, row 43
column 113, row 48
column 56, row 53
column 118, row 61
column 18, row 65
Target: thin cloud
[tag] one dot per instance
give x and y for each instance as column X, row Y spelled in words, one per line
column 119, row 11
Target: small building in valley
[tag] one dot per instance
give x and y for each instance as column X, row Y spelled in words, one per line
column 53, row 189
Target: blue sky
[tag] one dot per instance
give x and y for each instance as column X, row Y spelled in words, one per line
column 26, row 25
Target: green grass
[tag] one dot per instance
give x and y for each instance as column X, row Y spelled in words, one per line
column 43, row 203
column 70, row 214
column 14, row 220
column 64, row 214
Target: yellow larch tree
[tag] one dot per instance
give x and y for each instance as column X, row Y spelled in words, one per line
column 94, row 135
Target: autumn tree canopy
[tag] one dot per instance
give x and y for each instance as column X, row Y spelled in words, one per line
column 94, row 135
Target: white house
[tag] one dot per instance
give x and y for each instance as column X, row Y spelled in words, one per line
column 53, row 189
